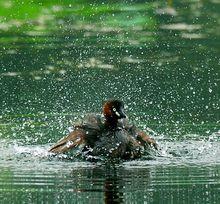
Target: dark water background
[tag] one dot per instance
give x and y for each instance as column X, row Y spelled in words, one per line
column 62, row 59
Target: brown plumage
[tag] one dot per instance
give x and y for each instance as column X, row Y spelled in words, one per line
column 112, row 137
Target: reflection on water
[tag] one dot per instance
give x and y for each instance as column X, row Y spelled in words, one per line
column 61, row 60
column 129, row 182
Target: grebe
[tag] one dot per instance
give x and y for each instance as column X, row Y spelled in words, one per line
column 112, row 137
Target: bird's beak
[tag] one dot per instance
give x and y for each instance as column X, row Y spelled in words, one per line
column 122, row 114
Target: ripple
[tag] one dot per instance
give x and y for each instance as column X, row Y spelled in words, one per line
column 181, row 26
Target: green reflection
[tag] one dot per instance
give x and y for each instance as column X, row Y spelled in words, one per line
column 108, row 185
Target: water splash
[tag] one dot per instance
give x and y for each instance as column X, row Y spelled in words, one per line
column 17, row 155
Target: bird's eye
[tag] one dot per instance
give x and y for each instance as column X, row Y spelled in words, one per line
column 116, row 112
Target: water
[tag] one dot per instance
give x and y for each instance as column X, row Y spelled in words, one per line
column 60, row 61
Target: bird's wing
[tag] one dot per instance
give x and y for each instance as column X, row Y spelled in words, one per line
column 144, row 139
column 74, row 139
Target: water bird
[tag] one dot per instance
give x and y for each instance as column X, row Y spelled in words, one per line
column 110, row 136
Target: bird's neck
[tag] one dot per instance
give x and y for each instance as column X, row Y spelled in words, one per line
column 111, row 122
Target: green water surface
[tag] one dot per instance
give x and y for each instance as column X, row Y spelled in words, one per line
column 61, row 59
